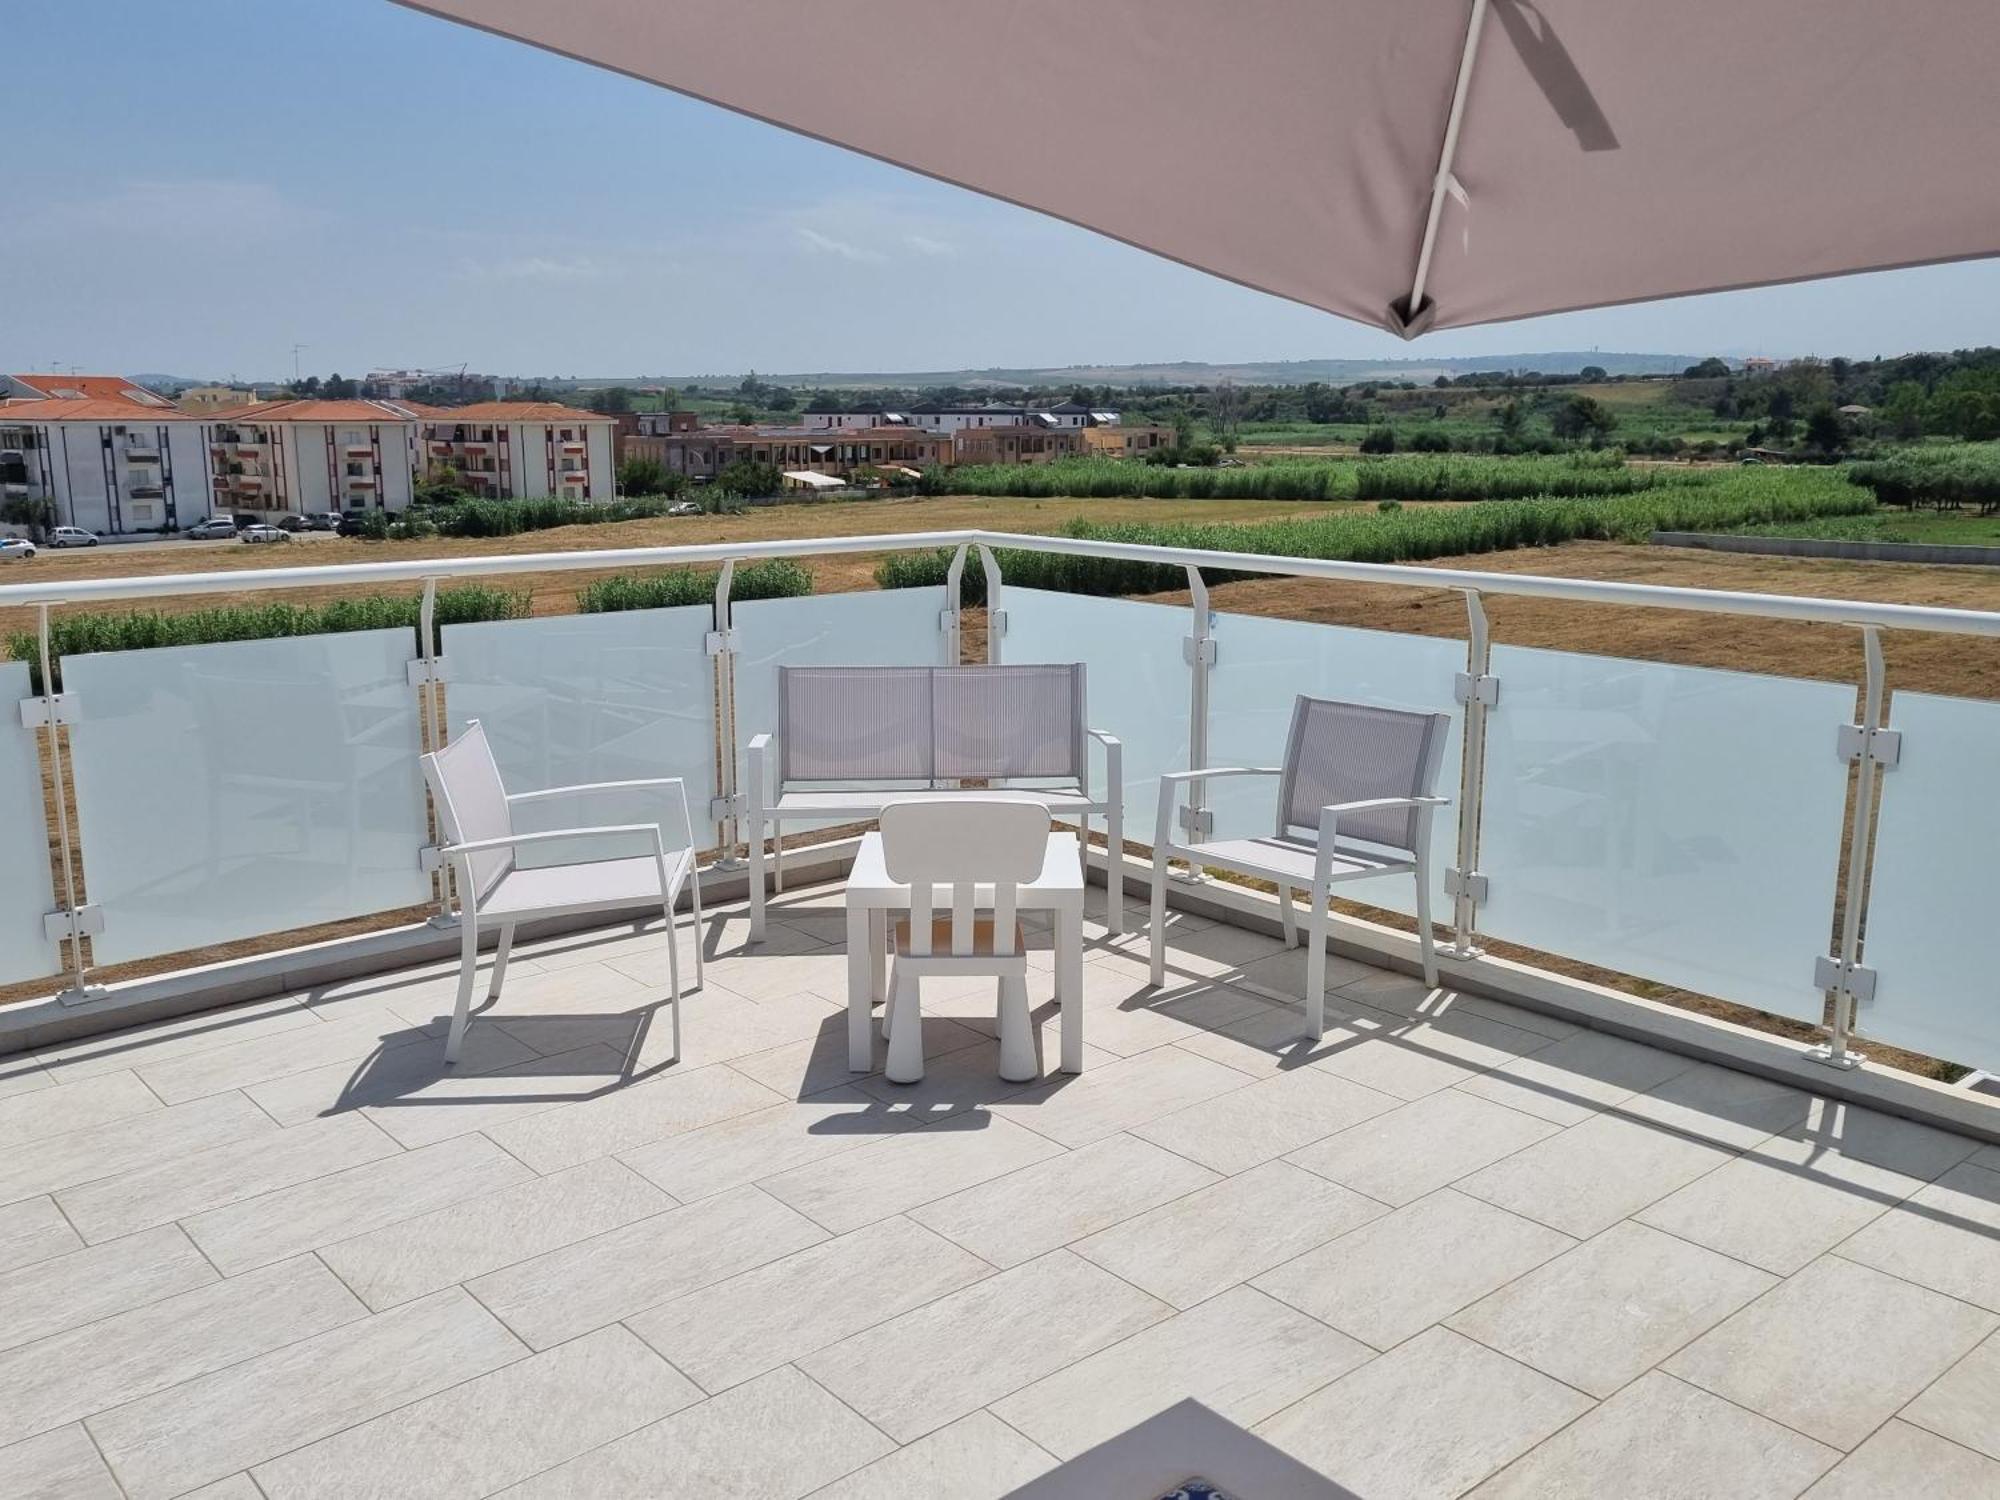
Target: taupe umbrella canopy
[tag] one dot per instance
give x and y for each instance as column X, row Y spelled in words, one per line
column 1498, row 158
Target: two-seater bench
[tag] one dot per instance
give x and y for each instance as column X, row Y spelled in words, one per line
column 850, row 740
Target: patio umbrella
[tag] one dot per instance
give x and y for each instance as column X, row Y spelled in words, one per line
column 1412, row 164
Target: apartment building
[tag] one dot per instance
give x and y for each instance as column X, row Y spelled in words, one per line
column 522, row 450
column 110, row 464
column 700, row 453
column 273, row 458
column 1120, row 441
column 78, row 388
column 953, row 419
column 1016, row 443
column 210, row 398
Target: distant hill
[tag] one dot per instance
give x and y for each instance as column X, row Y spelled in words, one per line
column 1201, row 372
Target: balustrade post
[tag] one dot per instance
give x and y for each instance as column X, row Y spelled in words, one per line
column 1842, row 977
column 1479, row 691
column 1199, row 651
column 431, row 728
column 727, row 810
column 952, row 619
column 996, row 613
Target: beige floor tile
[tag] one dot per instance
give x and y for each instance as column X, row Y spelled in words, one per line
column 1834, row 1351
column 134, row 1354
column 744, row 1029
column 1613, row 1307
column 893, row 1176
column 128, row 1145
column 1076, row 1110
column 1578, row 1076
column 76, row 1106
column 218, row 1424
column 342, row 1205
column 279, row 1055
column 582, row 1286
column 768, row 975
column 1271, row 968
column 969, row 1077
column 632, row 1117
column 34, row 1229
column 85, row 1285
column 491, row 1431
column 1720, row 1105
column 405, row 1260
column 201, row 1180
column 451, row 1103
column 1188, row 1250
column 1660, row 1437
column 777, row 1438
column 1054, row 1202
column 109, row 1052
column 1420, row 1147
column 738, row 1329
column 604, row 944
column 1240, row 1354
column 1272, row 1039
column 385, row 1078
column 1945, row 1236
column 800, row 1069
column 917, row 1372
column 235, row 1487
column 1412, row 1058
column 1426, row 1421
column 1124, row 1014
column 1797, row 1195
column 1408, row 995
column 1236, row 1131
column 1588, row 1177
column 1396, row 1275
column 1963, row 1404
column 1901, row 1462
column 976, row 1458
column 23, row 1073
column 58, row 1465
column 767, row 1141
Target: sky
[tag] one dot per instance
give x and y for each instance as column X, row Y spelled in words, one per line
column 212, row 182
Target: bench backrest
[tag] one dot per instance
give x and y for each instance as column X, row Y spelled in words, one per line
column 930, row 723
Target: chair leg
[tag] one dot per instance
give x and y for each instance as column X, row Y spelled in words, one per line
column 468, row 970
column 1017, row 1042
column 694, row 885
column 906, row 1039
column 1157, row 929
column 674, row 980
column 756, row 852
column 1114, row 871
column 1285, row 916
column 1316, row 965
column 500, row 956
column 777, row 862
column 1426, row 943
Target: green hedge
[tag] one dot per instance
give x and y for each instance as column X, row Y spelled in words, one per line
column 776, row 578
column 76, row 634
column 1724, row 499
column 1949, row 476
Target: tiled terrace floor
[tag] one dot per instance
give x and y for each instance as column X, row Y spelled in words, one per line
column 1455, row 1248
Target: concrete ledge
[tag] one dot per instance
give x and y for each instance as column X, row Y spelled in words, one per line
column 1799, row 546
column 41, row 1023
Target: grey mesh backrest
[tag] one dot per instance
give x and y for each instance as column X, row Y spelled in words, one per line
column 854, row 724
column 1350, row 752
column 471, row 802
column 1010, row 721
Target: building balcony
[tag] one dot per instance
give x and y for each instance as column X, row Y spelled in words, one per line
column 358, row 450
column 1519, row 1220
column 145, row 489
column 361, row 481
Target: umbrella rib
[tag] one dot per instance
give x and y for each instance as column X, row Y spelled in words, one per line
column 1441, row 184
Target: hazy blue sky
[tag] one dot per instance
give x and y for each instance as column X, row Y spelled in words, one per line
column 207, row 182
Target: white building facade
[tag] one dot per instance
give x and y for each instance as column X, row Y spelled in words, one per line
column 278, row 458
column 522, row 450
column 111, row 466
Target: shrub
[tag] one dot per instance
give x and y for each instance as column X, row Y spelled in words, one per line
column 1947, row 476
column 774, row 578
column 76, row 634
column 1379, row 440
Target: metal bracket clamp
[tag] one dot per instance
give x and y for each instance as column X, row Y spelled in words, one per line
column 59, row 708
column 723, row 807
column 422, row 673
column 1465, row 883
column 996, row 622
column 1485, row 689
column 1857, row 983
column 1883, row 746
column 716, row 642
column 67, row 926
column 1196, row 825
column 1198, row 650
column 430, row 859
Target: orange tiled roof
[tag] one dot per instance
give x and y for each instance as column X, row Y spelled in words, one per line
column 315, row 411
column 90, row 409
column 90, row 387
column 519, row 411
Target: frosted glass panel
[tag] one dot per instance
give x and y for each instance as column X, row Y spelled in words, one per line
column 26, row 895
column 1262, row 665
column 880, row 628
column 1676, row 823
column 623, row 696
column 1930, row 899
column 1135, row 678
column 253, row 787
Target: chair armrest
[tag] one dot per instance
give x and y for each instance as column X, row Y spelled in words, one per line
column 1172, row 777
column 1371, row 803
column 597, row 786
column 1104, row 737
column 510, row 840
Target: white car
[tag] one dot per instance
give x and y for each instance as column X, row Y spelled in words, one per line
column 261, row 533
column 16, row 548
column 214, row 528
column 72, row 536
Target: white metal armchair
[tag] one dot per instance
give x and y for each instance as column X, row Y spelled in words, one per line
column 1355, row 799
column 477, row 816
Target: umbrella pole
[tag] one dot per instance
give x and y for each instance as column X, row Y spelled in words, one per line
column 1444, row 183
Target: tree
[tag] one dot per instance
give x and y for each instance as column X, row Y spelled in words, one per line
column 641, row 475
column 338, row 387
column 36, row 512
column 752, row 481
column 611, row 400
column 1511, row 419
column 1183, row 428
column 1709, row 369
column 1824, row 429
column 1379, row 440
column 1582, row 417
column 1903, row 411
column 1225, row 408
column 1593, row 373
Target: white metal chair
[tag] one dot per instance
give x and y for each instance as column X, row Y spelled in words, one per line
column 981, row 850
column 1355, row 799
column 477, row 816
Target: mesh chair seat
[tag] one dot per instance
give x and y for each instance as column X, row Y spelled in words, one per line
column 1292, row 861
column 606, row 883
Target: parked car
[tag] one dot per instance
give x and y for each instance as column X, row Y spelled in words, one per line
column 262, row 533
column 684, row 508
column 325, row 520
column 291, row 523
column 16, row 548
column 354, row 523
column 211, row 529
column 72, row 536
